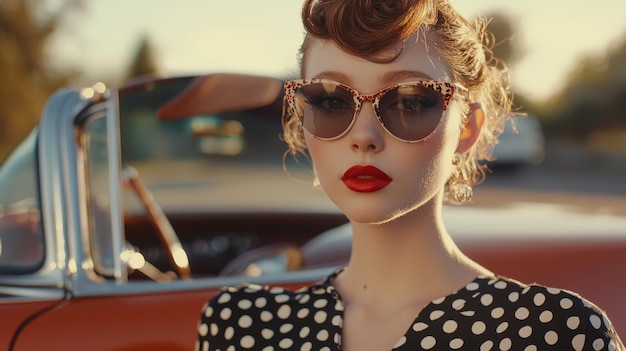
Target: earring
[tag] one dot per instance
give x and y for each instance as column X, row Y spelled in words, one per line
column 458, row 186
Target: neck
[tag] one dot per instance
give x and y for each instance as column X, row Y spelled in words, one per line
column 411, row 258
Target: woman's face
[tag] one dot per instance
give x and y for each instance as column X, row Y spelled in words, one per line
column 417, row 172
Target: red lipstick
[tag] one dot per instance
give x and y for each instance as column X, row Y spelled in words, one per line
column 365, row 179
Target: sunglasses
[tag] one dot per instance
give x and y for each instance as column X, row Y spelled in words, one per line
column 410, row 112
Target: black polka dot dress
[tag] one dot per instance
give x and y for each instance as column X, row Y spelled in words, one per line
column 489, row 313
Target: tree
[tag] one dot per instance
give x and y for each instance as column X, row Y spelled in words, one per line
column 144, row 62
column 27, row 75
column 592, row 102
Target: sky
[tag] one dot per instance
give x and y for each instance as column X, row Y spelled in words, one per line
column 263, row 36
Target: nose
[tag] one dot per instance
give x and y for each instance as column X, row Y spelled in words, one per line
column 367, row 133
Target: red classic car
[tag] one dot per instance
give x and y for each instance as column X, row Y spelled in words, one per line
column 123, row 213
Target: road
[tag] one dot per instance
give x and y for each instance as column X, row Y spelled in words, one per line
column 559, row 179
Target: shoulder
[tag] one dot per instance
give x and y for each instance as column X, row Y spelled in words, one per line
column 558, row 316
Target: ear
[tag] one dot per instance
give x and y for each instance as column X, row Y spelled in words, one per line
column 472, row 128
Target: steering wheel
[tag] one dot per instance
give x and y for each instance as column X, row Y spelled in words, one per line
column 175, row 252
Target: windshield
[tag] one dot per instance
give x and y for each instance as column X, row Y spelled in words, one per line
column 21, row 234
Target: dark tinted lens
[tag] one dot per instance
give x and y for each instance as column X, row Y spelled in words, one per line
column 327, row 109
column 411, row 112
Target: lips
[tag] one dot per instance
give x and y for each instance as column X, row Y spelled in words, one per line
column 365, row 179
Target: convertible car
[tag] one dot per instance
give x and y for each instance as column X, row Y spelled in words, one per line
column 126, row 209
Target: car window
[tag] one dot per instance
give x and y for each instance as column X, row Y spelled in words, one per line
column 22, row 244
column 95, row 141
column 226, row 156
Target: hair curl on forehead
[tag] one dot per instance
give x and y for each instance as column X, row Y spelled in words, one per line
column 367, row 28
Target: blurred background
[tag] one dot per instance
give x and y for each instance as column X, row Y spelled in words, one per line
column 568, row 61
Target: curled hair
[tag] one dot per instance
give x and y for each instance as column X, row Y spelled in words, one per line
column 370, row 28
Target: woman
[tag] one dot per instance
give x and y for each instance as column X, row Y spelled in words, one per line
column 398, row 102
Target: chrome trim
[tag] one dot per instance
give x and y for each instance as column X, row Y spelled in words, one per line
column 115, row 187
column 110, row 288
column 57, row 160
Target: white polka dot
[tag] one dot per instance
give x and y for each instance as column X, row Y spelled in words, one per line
column 280, row 299
column 525, row 332
column 203, row 329
column 320, row 317
column 285, row 344
column 231, row 348
column 400, row 342
column 578, row 342
column 208, row 312
column 551, row 337
column 268, row 348
column 545, row 316
column 531, row 348
column 419, row 326
column 260, row 302
column 434, row 315
column 428, row 343
column 307, row 346
column 566, row 303
column 456, row 344
column 598, row 344
column 267, row 333
column 283, row 312
column 596, row 322
column 244, row 304
column 252, row 288
column 277, row 290
column 247, row 342
column 245, row 322
column 573, row 322
column 286, row 328
column 468, row 313
column 486, row 346
column 514, row 296
column 337, row 321
column 458, row 304
column 303, row 313
column 539, row 299
column 473, row 286
column 339, row 306
column 478, row 328
column 226, row 314
column 505, row 344
column 205, row 346
column 214, row 329
column 325, row 348
column 305, row 299
column 450, row 326
column 439, row 301
column 502, row 327
column 266, row 316
column 224, row 298
column 229, row 333
column 497, row 313
column 522, row 313
column 486, row 300
column 500, row 285
column 320, row 303
column 322, row 335
column 554, row 291
column 304, row 332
